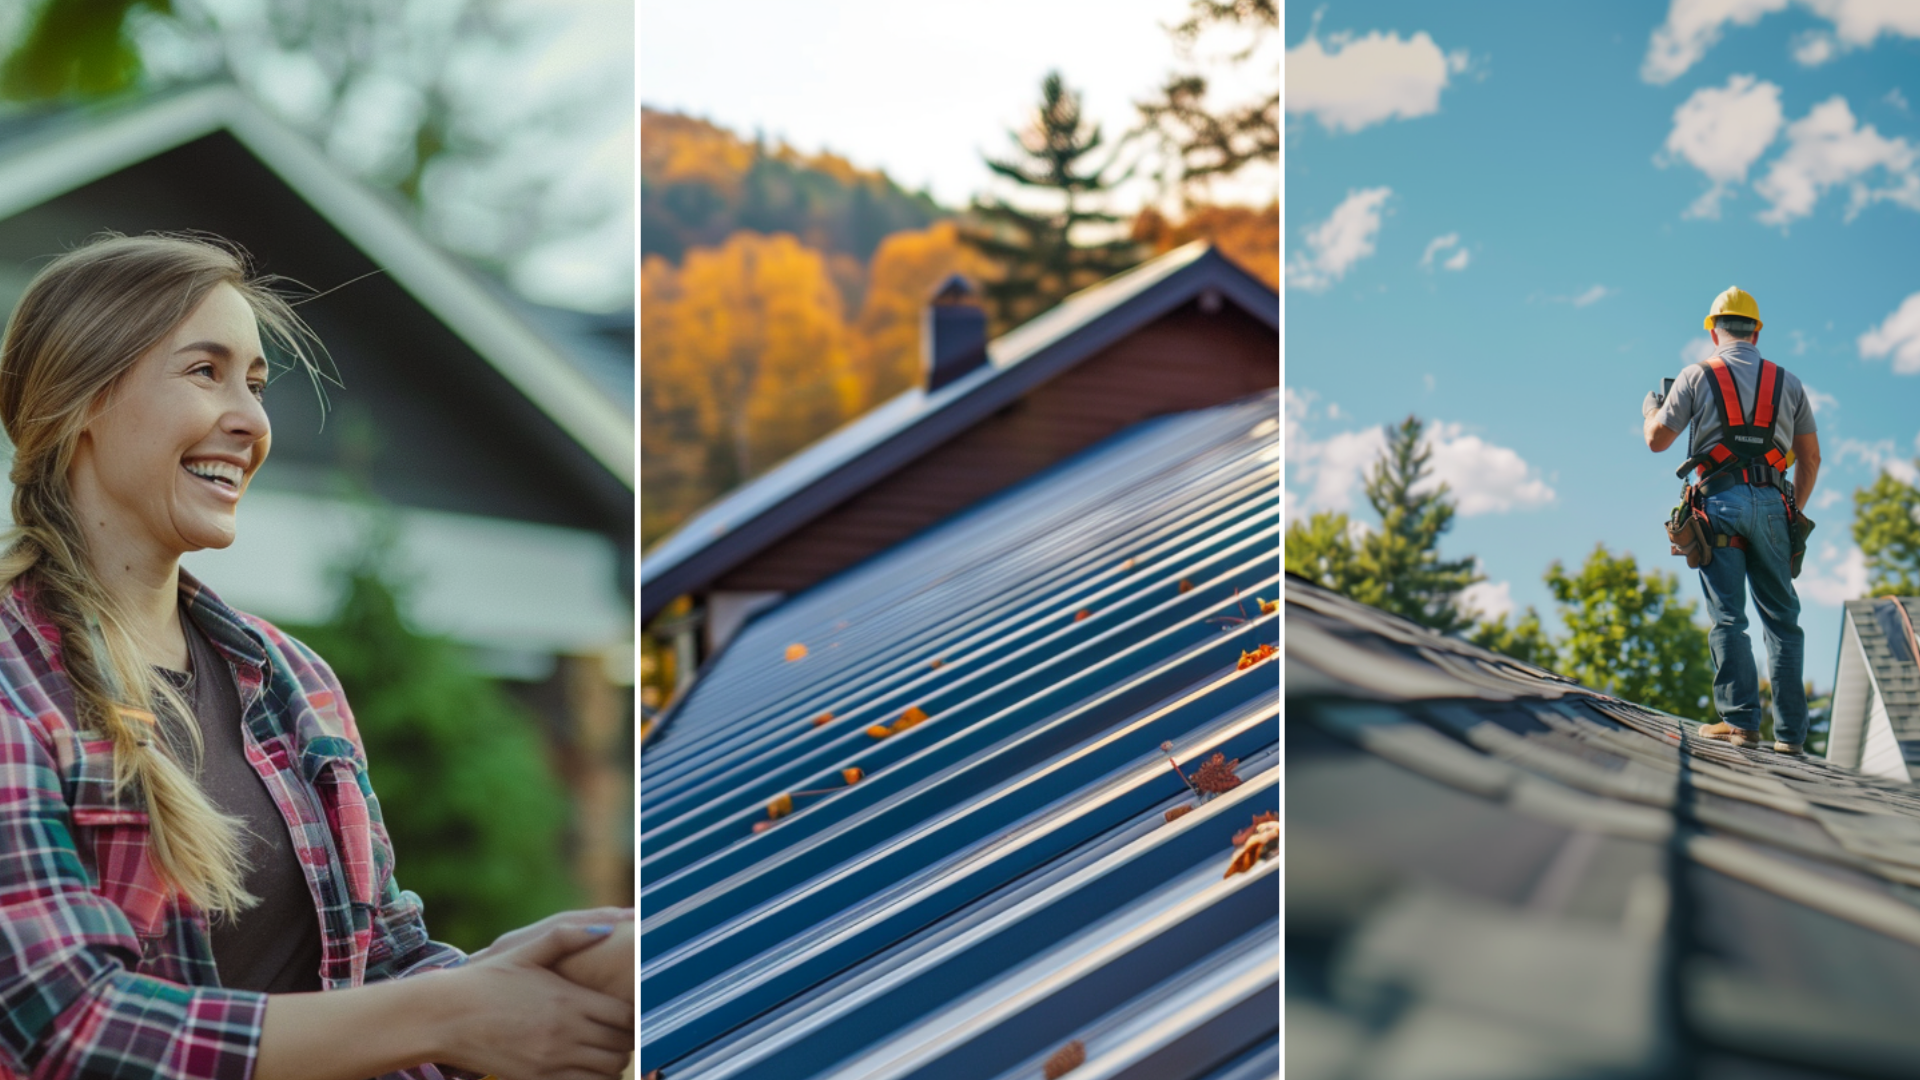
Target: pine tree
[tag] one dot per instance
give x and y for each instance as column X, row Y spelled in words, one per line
column 1039, row 251
column 1396, row 567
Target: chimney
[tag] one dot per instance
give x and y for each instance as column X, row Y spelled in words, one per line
column 953, row 337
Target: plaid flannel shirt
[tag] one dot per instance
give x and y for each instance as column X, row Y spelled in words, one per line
column 102, row 973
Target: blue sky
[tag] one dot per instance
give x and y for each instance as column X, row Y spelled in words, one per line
column 1510, row 219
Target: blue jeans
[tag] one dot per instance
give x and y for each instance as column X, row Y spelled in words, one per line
column 1759, row 515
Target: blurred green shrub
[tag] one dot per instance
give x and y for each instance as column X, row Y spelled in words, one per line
column 477, row 816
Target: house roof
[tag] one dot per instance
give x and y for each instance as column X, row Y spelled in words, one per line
column 1876, row 698
column 1494, row 871
column 853, row 458
column 46, row 157
column 1003, row 878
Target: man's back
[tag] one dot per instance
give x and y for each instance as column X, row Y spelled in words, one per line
column 1692, row 401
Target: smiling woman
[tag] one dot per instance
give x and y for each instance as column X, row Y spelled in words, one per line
column 190, row 851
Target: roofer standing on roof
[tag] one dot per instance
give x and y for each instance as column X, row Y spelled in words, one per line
column 1751, row 421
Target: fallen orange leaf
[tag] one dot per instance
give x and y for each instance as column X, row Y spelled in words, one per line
column 780, row 807
column 937, row 664
column 1186, row 586
column 1128, row 565
column 853, row 775
column 1081, row 614
column 879, row 731
column 1179, row 811
column 912, row 716
column 823, row 718
column 1216, row 775
column 1248, row 659
column 1268, row 607
column 1263, row 843
column 1064, row 1060
column 796, row 651
column 762, row 826
column 1240, row 837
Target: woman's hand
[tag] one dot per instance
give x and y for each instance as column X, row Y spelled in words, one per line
column 521, row 1021
column 512, row 939
column 606, row 966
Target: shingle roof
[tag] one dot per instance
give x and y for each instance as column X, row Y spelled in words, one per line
column 47, row 155
column 1876, row 699
column 892, row 435
column 1493, row 871
column 1003, row 880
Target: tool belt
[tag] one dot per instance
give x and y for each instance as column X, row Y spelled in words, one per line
column 1736, row 458
column 1690, row 532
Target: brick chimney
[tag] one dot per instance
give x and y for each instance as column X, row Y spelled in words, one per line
column 953, row 337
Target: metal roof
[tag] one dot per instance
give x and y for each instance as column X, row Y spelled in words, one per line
column 48, row 157
column 1003, row 880
column 1493, row 871
column 1876, row 693
column 856, row 456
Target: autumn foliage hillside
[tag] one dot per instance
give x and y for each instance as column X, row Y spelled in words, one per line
column 781, row 296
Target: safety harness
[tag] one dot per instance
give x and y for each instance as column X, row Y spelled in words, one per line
column 1745, row 454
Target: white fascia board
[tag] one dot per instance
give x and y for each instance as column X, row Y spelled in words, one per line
column 1853, row 691
column 102, row 146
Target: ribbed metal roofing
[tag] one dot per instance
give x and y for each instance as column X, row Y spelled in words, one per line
column 1002, row 882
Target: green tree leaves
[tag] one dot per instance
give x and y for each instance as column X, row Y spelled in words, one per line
column 1628, row 634
column 1887, row 529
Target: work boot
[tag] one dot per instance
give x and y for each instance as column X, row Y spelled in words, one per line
column 1727, row 733
column 1792, row 748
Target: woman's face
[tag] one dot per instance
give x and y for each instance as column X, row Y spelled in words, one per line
column 171, row 446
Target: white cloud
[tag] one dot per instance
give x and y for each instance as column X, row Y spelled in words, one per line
column 1428, row 379
column 1350, row 83
column 1835, row 577
column 1492, row 599
column 1337, row 243
column 1697, row 350
column 1592, row 296
column 1897, row 99
column 1482, row 478
column 1694, row 26
column 1825, row 149
column 1898, row 336
column 1828, row 496
column 1722, row 131
column 1879, row 457
column 1820, row 402
column 1437, row 245
column 1458, row 261
column 1814, row 48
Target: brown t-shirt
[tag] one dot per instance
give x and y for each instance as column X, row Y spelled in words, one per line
column 274, row 946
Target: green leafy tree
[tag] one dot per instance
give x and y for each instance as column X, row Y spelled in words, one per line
column 1396, row 567
column 1044, row 253
column 477, row 817
column 1630, row 636
column 1886, row 525
column 1204, row 137
column 1524, row 639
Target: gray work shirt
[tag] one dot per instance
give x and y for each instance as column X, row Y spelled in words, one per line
column 1692, row 401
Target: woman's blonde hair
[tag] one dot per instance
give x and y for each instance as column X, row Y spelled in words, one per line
column 83, row 322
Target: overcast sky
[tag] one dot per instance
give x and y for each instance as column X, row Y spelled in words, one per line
column 916, row 89
column 1511, row 222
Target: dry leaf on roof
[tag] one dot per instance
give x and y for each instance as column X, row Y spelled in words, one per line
column 937, row 664
column 1240, row 837
column 655, row 1075
column 780, row 807
column 1268, row 607
column 1248, row 659
column 823, row 718
column 1081, row 615
column 796, row 651
column 852, row 775
column 1262, row 844
column 1185, row 586
column 1216, row 775
column 762, row 826
column 879, row 731
column 912, row 716
column 1128, row 565
column 1065, row 1060
column 1179, row 811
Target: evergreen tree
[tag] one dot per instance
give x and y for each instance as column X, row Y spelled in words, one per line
column 1040, row 251
column 1525, row 639
column 1396, row 567
column 1887, row 529
column 477, row 817
column 1203, row 137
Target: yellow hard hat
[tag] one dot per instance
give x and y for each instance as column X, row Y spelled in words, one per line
column 1735, row 301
